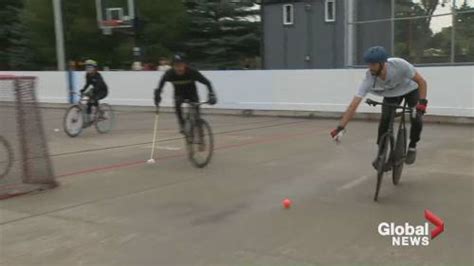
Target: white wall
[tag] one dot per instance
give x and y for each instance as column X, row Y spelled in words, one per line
column 450, row 89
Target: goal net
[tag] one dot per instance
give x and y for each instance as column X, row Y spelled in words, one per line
column 25, row 165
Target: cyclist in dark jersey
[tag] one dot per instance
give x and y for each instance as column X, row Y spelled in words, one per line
column 183, row 78
column 99, row 88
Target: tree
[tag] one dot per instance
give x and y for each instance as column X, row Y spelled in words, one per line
column 438, row 46
column 163, row 25
column 160, row 25
column 29, row 39
column 21, row 56
column 222, row 32
column 9, row 20
column 464, row 39
column 35, row 37
column 412, row 36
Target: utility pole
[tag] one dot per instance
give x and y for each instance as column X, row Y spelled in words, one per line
column 58, row 27
column 453, row 32
column 392, row 28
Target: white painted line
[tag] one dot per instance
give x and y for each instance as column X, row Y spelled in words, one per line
column 353, row 183
column 235, row 137
column 169, row 148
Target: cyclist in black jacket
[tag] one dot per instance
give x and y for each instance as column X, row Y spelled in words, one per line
column 99, row 89
column 183, row 78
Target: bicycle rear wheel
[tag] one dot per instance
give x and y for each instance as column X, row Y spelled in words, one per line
column 6, row 157
column 381, row 161
column 73, row 121
column 200, row 143
column 104, row 118
column 399, row 156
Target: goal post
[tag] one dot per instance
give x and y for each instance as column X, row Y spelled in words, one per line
column 25, row 163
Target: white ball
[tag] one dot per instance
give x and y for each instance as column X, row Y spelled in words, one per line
column 56, row 130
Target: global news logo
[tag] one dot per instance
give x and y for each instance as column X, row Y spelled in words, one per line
column 412, row 235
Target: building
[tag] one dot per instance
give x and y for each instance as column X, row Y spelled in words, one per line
column 305, row 34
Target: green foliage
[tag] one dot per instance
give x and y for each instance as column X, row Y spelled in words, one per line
column 222, row 33
column 216, row 33
column 465, row 34
column 10, row 36
column 415, row 41
column 163, row 25
column 413, row 36
column 28, row 36
column 38, row 37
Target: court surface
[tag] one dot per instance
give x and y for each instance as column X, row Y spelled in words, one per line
column 113, row 209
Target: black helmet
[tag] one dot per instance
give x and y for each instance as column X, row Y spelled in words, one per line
column 376, row 54
column 179, row 58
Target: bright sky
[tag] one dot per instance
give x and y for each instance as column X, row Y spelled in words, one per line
column 438, row 23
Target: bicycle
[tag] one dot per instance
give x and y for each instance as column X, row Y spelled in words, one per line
column 397, row 147
column 76, row 118
column 6, row 157
column 198, row 136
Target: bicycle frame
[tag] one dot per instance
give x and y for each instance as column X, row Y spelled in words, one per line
column 392, row 159
column 193, row 114
column 394, row 114
column 401, row 126
column 198, row 136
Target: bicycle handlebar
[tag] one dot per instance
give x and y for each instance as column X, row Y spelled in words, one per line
column 396, row 106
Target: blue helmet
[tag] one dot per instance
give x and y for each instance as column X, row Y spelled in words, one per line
column 376, row 54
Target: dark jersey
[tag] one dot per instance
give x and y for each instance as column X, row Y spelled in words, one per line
column 184, row 85
column 96, row 81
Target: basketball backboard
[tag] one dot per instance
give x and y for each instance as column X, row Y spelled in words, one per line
column 113, row 14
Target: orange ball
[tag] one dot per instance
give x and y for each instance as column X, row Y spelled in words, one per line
column 286, row 203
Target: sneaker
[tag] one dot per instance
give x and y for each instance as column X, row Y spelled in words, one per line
column 387, row 167
column 411, row 156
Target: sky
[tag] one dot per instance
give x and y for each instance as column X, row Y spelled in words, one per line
column 438, row 23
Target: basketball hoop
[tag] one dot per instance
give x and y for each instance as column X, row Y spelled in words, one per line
column 115, row 15
column 112, row 23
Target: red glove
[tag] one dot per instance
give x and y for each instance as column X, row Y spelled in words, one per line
column 422, row 105
column 337, row 133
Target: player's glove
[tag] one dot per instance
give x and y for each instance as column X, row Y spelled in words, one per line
column 337, row 133
column 212, row 99
column 421, row 106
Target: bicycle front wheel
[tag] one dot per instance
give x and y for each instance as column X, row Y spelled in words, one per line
column 6, row 157
column 200, row 143
column 399, row 156
column 73, row 121
column 381, row 162
column 104, row 118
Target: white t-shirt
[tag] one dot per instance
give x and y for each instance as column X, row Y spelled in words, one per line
column 398, row 82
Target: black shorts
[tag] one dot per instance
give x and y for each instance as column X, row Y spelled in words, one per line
column 99, row 94
column 180, row 98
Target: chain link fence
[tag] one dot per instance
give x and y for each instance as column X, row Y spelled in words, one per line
column 425, row 32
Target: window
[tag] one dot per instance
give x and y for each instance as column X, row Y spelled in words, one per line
column 330, row 10
column 288, row 15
